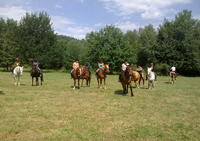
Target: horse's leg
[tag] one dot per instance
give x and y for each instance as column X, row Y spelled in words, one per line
column 82, row 83
column 41, row 80
column 32, row 80
column 127, row 89
column 74, row 84
column 78, row 83
column 104, row 83
column 37, row 83
column 18, row 81
column 100, row 82
column 124, row 88
column 131, row 90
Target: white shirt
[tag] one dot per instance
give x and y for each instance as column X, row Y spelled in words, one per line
column 151, row 76
column 149, row 69
column 173, row 69
column 124, row 66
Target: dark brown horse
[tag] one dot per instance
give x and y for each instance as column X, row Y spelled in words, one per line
column 86, row 74
column 76, row 74
column 36, row 73
column 101, row 76
column 125, row 80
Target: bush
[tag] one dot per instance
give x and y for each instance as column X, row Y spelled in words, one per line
column 162, row 69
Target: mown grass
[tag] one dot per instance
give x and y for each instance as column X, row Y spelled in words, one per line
column 56, row 112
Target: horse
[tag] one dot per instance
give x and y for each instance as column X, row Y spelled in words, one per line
column 136, row 78
column 151, row 78
column 86, row 74
column 76, row 75
column 173, row 77
column 101, row 76
column 35, row 73
column 17, row 73
column 126, row 80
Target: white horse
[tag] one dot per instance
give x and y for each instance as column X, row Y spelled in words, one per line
column 17, row 73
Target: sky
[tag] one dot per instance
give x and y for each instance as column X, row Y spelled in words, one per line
column 76, row 18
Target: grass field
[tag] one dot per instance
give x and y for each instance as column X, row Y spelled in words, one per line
column 56, row 112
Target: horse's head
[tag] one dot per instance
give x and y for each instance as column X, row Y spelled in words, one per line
column 107, row 68
column 78, row 72
column 128, row 71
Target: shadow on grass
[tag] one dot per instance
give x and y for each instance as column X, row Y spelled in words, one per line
column 2, row 93
column 119, row 92
column 167, row 82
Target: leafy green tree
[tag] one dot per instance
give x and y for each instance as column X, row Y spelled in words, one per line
column 37, row 39
column 108, row 44
column 8, row 42
column 133, row 40
column 148, row 41
column 179, row 43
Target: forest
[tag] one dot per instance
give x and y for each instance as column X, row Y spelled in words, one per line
column 175, row 42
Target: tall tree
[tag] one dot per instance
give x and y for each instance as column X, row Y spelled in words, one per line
column 148, row 40
column 179, row 43
column 108, row 44
column 37, row 38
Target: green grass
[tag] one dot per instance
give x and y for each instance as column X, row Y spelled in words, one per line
column 56, row 112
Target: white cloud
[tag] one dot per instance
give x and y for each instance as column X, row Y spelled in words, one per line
column 12, row 12
column 59, row 6
column 67, row 27
column 146, row 8
column 125, row 26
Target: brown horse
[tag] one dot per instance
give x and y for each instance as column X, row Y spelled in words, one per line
column 36, row 72
column 101, row 76
column 126, row 80
column 173, row 77
column 75, row 74
column 137, row 78
column 86, row 74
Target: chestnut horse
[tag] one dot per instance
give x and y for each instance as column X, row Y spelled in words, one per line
column 137, row 78
column 101, row 76
column 126, row 80
column 76, row 74
column 86, row 74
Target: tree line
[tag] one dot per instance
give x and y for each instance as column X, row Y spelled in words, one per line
column 175, row 42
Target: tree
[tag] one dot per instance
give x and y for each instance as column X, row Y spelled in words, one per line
column 108, row 44
column 8, row 42
column 179, row 43
column 148, row 41
column 37, row 39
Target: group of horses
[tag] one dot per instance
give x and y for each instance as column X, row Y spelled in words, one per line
column 83, row 73
column 35, row 73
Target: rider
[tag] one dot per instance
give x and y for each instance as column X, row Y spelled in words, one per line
column 87, row 66
column 123, row 69
column 17, row 61
column 75, row 65
column 35, row 63
column 100, row 65
column 139, row 70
